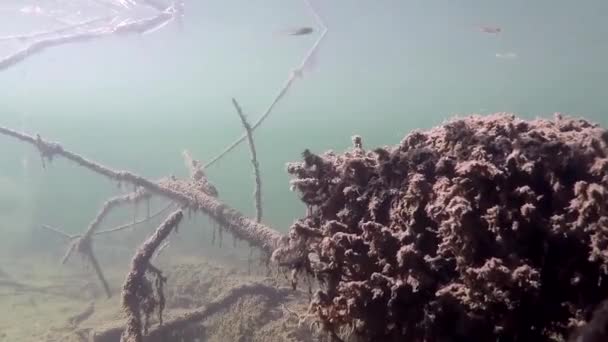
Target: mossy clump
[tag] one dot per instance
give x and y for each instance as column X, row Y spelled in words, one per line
column 486, row 228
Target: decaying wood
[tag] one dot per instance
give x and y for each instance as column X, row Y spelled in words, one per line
column 133, row 291
column 185, row 193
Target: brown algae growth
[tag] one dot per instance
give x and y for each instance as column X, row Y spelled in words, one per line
column 483, row 229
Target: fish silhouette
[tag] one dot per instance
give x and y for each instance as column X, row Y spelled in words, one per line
column 490, row 29
column 299, row 31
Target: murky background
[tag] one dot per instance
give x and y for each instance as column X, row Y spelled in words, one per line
column 386, row 67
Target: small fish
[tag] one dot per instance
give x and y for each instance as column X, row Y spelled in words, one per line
column 300, row 31
column 490, row 29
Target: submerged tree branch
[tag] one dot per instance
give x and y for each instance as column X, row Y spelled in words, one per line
column 33, row 35
column 84, row 244
column 71, row 33
column 254, row 162
column 178, row 323
column 134, row 289
column 197, row 174
column 186, row 194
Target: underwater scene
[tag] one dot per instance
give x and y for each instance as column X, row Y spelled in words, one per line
column 303, row 170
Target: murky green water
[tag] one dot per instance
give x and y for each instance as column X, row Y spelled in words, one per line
column 385, row 68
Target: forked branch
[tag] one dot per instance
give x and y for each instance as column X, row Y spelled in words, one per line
column 84, row 244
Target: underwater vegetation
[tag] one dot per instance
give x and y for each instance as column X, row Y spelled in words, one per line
column 484, row 228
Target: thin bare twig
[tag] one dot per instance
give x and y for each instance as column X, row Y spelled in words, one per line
column 58, row 231
column 254, row 162
column 292, row 77
column 112, row 203
column 131, row 224
column 110, row 230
